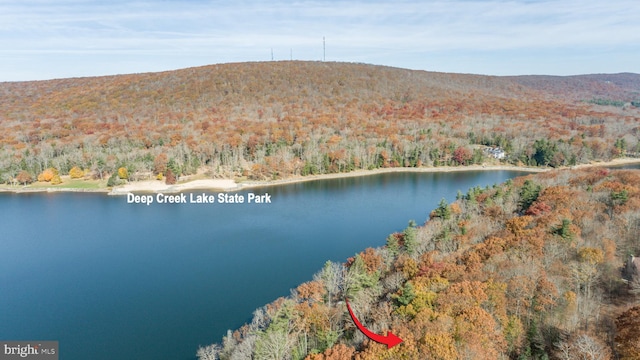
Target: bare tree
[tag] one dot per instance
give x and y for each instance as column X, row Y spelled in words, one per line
column 332, row 276
column 209, row 352
column 275, row 345
column 564, row 351
column 244, row 350
column 582, row 347
column 588, row 348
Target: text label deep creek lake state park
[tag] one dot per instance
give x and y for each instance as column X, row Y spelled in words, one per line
column 202, row 198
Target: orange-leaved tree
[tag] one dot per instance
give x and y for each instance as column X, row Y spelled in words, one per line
column 48, row 174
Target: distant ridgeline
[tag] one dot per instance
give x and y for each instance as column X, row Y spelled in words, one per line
column 618, row 103
column 530, row 269
column 278, row 119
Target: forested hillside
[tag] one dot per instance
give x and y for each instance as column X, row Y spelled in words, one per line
column 279, row 119
column 618, row 89
column 529, row 269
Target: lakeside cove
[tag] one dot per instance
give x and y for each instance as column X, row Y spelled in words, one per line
column 227, row 185
column 164, row 267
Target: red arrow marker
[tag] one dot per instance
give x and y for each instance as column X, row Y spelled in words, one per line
column 390, row 340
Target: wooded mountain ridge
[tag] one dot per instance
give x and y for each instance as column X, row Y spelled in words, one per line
column 621, row 87
column 276, row 119
column 286, row 79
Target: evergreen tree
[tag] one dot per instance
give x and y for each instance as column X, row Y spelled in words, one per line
column 619, row 197
column 528, row 194
column 358, row 278
column 174, row 167
column 411, row 238
column 407, row 296
column 443, row 210
column 564, row 230
column 544, row 152
column 393, row 245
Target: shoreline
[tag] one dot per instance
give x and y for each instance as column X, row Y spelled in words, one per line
column 359, row 173
column 227, row 185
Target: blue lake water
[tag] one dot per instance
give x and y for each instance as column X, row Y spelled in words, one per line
column 626, row 166
column 112, row 280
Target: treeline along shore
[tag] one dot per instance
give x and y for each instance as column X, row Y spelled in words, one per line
column 189, row 184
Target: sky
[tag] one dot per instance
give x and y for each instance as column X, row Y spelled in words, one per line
column 42, row 39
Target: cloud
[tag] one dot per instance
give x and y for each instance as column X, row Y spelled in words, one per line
column 398, row 33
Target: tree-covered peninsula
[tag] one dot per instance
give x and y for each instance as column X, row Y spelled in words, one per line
column 540, row 267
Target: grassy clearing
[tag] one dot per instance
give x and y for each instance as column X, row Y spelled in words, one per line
column 84, row 184
column 71, row 184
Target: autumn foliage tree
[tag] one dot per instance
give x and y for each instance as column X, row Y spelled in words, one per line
column 628, row 334
column 462, row 155
column 24, row 178
column 48, row 174
column 123, row 173
column 160, row 163
column 56, row 180
column 170, row 178
column 76, row 173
